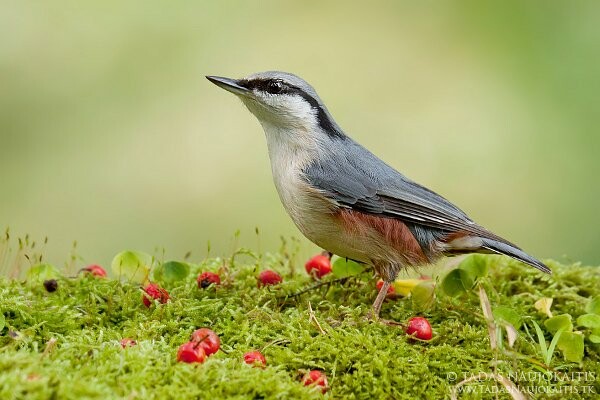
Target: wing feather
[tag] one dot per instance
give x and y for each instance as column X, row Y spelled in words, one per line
column 355, row 178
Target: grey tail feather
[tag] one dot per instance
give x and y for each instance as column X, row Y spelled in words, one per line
column 514, row 252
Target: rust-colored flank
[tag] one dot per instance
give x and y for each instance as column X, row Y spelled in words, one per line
column 393, row 231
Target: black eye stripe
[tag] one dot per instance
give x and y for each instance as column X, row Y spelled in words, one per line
column 275, row 87
column 324, row 121
column 261, row 84
column 264, row 85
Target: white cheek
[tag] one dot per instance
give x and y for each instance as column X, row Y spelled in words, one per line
column 295, row 110
column 284, row 111
column 261, row 111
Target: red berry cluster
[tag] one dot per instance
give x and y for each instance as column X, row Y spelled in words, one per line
column 203, row 343
column 152, row 292
column 316, row 378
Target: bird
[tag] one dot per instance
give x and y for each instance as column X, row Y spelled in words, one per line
column 345, row 199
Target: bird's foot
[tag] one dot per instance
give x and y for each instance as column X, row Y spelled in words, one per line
column 373, row 314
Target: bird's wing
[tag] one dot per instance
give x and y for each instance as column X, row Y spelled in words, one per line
column 354, row 178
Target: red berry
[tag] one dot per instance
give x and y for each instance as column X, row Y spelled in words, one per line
column 255, row 358
column 206, row 279
column 318, row 266
column 419, row 328
column 391, row 292
column 191, row 352
column 315, row 378
column 207, row 339
column 154, row 292
column 95, row 270
column 127, row 342
column 269, row 277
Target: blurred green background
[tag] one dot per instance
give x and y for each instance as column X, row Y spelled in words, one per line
column 110, row 134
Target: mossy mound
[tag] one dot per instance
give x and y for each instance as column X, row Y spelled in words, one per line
column 65, row 344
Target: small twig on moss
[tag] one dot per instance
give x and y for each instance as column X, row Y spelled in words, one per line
column 314, row 287
column 489, row 318
column 275, row 342
column 312, row 317
column 50, row 345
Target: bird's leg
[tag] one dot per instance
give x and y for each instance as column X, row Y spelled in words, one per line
column 374, row 313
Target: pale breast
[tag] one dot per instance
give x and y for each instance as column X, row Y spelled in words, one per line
column 358, row 236
column 310, row 210
column 304, row 204
column 318, row 218
column 322, row 221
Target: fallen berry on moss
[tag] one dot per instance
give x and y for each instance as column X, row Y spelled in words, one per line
column 51, row 285
column 419, row 328
column 318, row 266
column 207, row 339
column 255, row 358
column 154, row 292
column 95, row 270
column 206, row 279
column 269, row 277
column 191, row 352
column 127, row 342
column 315, row 378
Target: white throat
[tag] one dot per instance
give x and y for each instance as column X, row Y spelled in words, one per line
column 294, row 141
column 289, row 158
column 290, row 151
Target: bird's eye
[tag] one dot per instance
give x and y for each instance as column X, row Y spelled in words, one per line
column 275, row 87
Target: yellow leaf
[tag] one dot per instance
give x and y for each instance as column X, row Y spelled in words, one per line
column 404, row 286
column 543, row 305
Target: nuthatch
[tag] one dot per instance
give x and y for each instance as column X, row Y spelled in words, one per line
column 345, row 199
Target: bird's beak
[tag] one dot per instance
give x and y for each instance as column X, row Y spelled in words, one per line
column 231, row 85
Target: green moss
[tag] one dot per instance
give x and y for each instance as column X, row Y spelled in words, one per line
column 87, row 317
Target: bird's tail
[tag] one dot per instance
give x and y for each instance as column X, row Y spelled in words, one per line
column 514, row 252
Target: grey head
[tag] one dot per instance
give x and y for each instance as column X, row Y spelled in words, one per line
column 282, row 101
